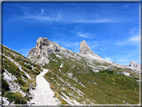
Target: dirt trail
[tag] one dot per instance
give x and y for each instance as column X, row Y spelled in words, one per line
column 43, row 94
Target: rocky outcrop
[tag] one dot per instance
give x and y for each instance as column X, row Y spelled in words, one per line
column 85, row 49
column 134, row 64
column 44, row 48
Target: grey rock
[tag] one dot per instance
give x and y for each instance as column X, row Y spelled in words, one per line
column 108, row 69
column 84, row 48
column 41, row 44
column 134, row 64
column 44, row 48
column 32, row 52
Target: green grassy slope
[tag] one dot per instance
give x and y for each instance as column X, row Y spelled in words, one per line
column 22, row 80
column 79, row 82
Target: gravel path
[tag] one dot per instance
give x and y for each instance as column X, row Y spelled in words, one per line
column 43, row 94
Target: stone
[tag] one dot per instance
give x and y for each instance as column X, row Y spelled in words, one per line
column 44, row 48
column 32, row 52
column 41, row 44
column 134, row 64
column 84, row 48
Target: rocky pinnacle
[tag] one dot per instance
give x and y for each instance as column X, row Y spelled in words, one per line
column 84, row 48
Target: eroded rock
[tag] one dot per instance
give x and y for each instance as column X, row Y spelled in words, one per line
column 134, row 64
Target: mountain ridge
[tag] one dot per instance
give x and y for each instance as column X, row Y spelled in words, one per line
column 76, row 79
column 45, row 47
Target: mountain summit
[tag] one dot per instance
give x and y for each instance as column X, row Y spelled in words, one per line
column 44, row 47
column 84, row 48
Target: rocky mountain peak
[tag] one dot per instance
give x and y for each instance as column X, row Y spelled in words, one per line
column 42, row 41
column 84, row 48
column 41, row 44
column 44, row 48
column 134, row 64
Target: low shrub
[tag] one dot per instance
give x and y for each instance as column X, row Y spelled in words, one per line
column 16, row 97
column 17, row 59
column 25, row 89
column 23, row 74
column 21, row 62
column 11, row 67
column 5, row 86
column 20, row 81
column 37, row 71
column 28, row 66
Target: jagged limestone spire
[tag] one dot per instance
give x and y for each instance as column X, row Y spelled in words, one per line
column 84, row 48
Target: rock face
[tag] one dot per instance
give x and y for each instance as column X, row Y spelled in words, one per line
column 134, row 64
column 44, row 48
column 47, row 51
column 84, row 48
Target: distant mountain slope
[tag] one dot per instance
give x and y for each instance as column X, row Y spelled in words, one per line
column 85, row 78
column 18, row 75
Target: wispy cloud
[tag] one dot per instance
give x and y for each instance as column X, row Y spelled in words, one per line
column 108, row 58
column 67, row 44
column 122, row 60
column 41, row 15
column 131, row 41
column 103, row 48
column 134, row 39
column 74, row 46
column 96, row 44
column 60, row 18
column 85, row 35
column 24, row 52
column 96, row 21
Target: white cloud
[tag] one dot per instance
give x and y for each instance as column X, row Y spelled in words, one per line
column 95, row 21
column 67, row 44
column 103, row 48
column 122, row 60
column 96, row 44
column 24, row 52
column 134, row 39
column 131, row 41
column 60, row 17
column 108, row 58
column 82, row 35
column 85, row 35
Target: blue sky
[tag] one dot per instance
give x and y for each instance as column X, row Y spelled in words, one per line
column 110, row 29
